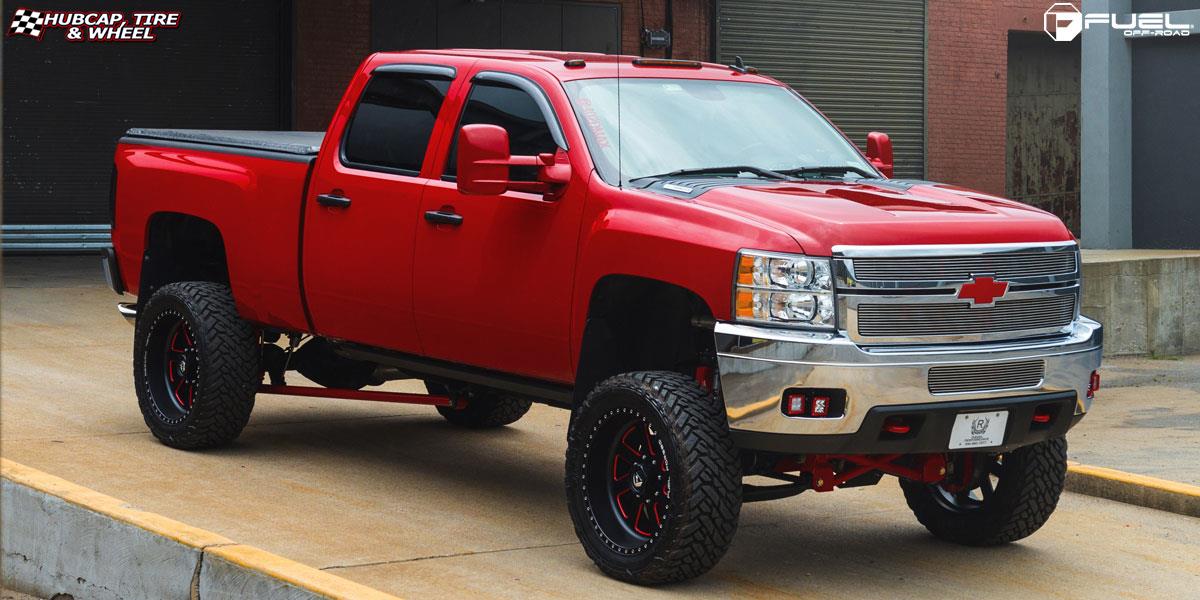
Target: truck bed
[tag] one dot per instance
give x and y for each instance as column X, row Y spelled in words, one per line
column 299, row 143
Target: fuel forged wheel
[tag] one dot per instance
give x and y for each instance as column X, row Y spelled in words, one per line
column 994, row 499
column 195, row 365
column 652, row 478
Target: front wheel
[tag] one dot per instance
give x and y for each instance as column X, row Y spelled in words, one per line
column 652, row 478
column 993, row 499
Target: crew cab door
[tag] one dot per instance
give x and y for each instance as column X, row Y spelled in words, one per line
column 494, row 290
column 362, row 205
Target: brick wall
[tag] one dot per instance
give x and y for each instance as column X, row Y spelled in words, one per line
column 691, row 27
column 966, row 85
column 330, row 40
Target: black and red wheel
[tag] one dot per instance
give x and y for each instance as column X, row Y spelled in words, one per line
column 195, row 365
column 653, row 482
column 178, row 363
column 992, row 499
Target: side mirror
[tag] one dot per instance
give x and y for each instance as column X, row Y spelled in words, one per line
column 484, row 161
column 879, row 152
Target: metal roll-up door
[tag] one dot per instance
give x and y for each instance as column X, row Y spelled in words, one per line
column 861, row 62
column 66, row 103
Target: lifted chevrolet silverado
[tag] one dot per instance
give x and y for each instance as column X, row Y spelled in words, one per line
column 715, row 281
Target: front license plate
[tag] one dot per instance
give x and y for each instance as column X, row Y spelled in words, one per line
column 978, row 430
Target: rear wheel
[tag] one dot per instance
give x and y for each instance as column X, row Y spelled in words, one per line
column 652, row 478
column 995, row 499
column 481, row 409
column 195, row 365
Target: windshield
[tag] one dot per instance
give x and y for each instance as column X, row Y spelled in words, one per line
column 674, row 125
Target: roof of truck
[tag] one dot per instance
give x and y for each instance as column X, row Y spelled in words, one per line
column 594, row 64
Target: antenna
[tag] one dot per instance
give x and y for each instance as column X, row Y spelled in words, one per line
column 620, row 168
column 740, row 66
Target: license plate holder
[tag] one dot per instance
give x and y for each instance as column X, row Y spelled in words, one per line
column 978, row 430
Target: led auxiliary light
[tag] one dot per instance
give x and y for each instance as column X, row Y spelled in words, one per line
column 785, row 289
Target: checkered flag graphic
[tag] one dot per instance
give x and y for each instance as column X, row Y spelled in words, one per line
column 26, row 22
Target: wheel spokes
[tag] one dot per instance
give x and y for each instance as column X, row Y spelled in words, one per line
column 625, row 442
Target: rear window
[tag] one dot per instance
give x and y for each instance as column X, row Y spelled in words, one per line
column 392, row 123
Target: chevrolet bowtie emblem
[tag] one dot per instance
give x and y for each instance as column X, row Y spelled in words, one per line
column 982, row 290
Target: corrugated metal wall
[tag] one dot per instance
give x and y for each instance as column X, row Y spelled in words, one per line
column 861, row 62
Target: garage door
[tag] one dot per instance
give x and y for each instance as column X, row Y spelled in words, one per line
column 861, row 62
column 65, row 104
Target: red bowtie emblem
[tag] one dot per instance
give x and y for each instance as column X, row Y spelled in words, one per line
column 983, row 291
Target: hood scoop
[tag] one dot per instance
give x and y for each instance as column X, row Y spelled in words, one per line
column 901, row 202
column 691, row 187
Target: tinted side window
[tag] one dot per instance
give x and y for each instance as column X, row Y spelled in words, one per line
column 392, row 122
column 513, row 109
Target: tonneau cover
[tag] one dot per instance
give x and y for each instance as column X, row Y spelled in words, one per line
column 301, row 143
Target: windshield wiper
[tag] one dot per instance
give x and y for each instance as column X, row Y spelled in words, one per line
column 800, row 171
column 761, row 172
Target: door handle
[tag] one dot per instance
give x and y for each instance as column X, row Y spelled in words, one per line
column 333, row 201
column 445, row 216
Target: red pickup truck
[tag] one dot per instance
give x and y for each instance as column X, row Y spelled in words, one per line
column 717, row 283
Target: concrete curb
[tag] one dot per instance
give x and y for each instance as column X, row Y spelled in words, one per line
column 1129, row 488
column 58, row 537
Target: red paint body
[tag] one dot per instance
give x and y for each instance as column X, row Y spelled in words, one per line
column 508, row 290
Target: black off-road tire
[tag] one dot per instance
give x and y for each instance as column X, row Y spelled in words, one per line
column 223, row 351
column 483, row 410
column 688, row 427
column 1031, row 480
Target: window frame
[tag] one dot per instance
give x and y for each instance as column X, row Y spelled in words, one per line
column 520, row 82
column 421, row 71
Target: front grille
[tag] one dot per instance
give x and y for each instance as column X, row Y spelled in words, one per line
column 960, row 268
column 960, row 318
column 958, row 379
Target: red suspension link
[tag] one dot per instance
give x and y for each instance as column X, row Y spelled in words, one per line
column 829, row 471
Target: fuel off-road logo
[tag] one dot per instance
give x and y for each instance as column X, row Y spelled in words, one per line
column 1064, row 22
column 93, row 26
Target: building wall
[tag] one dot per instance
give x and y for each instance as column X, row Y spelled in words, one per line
column 967, row 83
column 331, row 40
column 691, row 27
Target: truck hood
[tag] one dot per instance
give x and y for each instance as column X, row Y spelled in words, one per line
column 823, row 214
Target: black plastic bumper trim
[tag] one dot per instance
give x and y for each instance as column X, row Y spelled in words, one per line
column 112, row 271
column 931, row 425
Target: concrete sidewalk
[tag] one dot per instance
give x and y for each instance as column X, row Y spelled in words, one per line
column 1145, row 420
column 392, row 497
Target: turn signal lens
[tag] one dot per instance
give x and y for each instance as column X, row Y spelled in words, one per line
column 784, row 288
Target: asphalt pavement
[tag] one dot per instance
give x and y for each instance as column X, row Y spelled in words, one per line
column 393, row 497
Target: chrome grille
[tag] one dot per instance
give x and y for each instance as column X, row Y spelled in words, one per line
column 960, row 318
column 960, row 268
column 958, row 379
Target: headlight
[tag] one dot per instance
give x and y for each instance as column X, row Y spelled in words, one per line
column 787, row 289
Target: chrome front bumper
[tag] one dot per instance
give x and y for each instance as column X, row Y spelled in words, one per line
column 758, row 364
